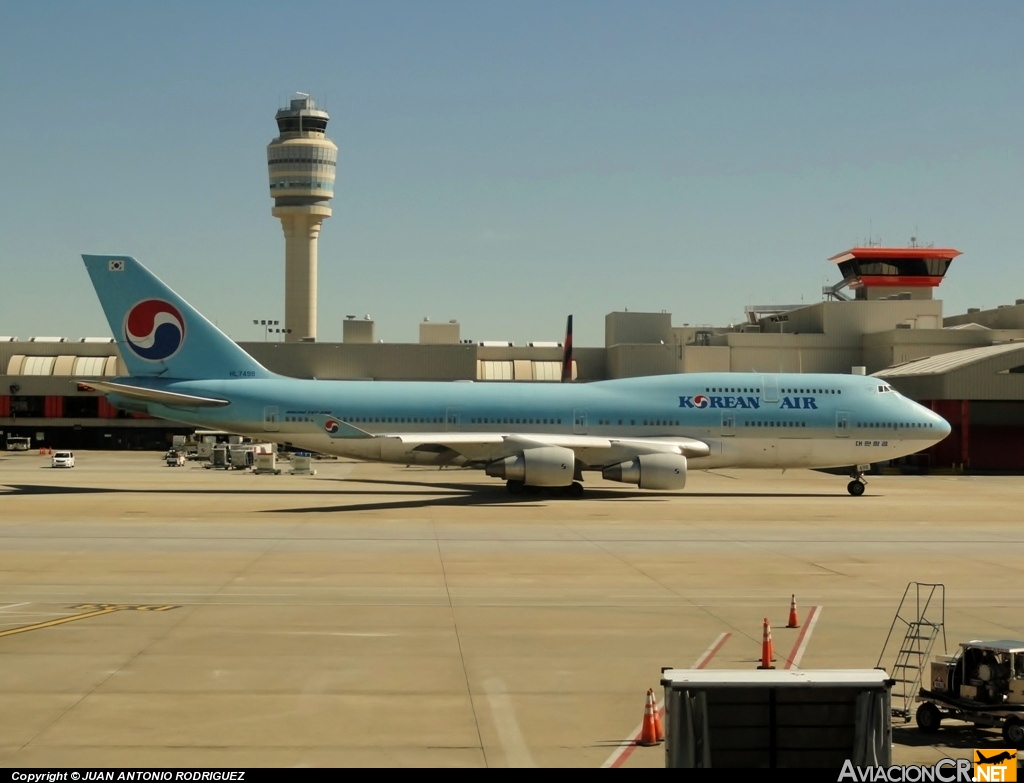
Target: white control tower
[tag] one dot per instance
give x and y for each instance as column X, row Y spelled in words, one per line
column 302, row 162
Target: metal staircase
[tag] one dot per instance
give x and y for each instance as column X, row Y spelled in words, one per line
column 922, row 613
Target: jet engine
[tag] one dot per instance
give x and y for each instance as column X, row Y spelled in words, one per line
column 545, row 466
column 650, row 471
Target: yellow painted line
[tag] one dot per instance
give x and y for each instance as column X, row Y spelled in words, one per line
column 94, row 610
column 59, row 621
column 126, row 607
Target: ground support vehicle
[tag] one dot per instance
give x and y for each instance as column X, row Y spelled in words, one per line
column 15, row 443
column 983, row 684
column 62, row 459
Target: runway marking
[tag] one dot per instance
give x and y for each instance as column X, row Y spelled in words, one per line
column 712, row 651
column 797, row 653
column 126, row 607
column 509, row 733
column 90, row 610
column 358, row 634
column 628, row 745
column 13, row 606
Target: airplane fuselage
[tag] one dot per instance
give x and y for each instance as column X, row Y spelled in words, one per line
column 644, row 431
column 746, row 419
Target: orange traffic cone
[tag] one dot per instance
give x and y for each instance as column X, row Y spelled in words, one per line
column 649, row 731
column 659, row 726
column 794, row 620
column 767, row 652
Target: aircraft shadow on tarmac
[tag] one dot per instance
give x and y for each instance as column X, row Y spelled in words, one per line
column 423, row 495
column 605, row 493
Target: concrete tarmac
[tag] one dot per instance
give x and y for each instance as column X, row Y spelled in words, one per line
column 380, row 615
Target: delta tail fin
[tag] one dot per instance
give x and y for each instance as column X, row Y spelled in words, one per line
column 158, row 333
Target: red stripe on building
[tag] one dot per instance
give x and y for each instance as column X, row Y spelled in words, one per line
column 53, row 407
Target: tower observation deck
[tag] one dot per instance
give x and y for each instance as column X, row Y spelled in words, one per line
column 881, row 272
column 301, row 163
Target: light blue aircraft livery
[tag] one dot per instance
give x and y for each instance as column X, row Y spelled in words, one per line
column 643, row 431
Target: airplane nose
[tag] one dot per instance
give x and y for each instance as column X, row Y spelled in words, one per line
column 939, row 427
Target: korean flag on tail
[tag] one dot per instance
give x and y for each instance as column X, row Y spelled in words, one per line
column 115, row 265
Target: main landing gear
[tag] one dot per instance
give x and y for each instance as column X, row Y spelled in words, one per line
column 574, row 490
column 856, row 487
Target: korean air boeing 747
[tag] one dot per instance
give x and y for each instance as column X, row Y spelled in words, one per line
column 643, row 431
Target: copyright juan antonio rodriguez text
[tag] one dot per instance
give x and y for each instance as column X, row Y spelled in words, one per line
column 152, row 776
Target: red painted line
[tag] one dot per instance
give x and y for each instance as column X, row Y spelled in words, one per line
column 627, row 746
column 712, row 651
column 797, row 653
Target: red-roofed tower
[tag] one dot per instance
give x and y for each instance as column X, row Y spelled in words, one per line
column 881, row 272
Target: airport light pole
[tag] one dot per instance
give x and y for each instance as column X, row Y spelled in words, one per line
column 270, row 327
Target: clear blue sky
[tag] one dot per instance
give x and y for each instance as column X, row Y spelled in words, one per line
column 508, row 163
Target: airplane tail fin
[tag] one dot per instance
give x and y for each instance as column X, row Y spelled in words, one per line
column 158, row 333
column 567, row 364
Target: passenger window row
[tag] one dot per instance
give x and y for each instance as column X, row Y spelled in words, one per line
column 894, row 425
column 487, row 420
column 376, row 419
column 744, row 390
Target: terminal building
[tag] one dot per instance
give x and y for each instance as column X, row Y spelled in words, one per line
column 883, row 318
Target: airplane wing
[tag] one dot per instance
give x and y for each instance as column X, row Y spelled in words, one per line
column 172, row 399
column 593, row 450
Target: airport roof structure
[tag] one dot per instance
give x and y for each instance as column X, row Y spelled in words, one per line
column 954, row 360
column 990, row 372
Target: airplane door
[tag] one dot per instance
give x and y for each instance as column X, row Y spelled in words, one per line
column 579, row 422
column 771, row 388
column 451, row 420
column 271, row 422
column 842, row 424
column 728, row 424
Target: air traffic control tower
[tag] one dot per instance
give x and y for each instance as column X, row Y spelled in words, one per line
column 302, row 162
column 894, row 272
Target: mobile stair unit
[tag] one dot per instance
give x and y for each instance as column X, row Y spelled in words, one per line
column 919, row 621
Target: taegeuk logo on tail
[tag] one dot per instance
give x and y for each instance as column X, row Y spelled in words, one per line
column 154, row 330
